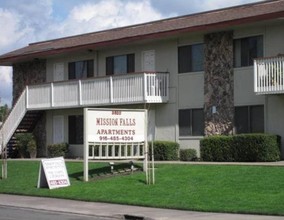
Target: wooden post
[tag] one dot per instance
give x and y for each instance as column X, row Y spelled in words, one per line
column 153, row 165
column 146, row 154
column 4, row 160
column 86, row 147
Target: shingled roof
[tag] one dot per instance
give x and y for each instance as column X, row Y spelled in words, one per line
column 211, row 20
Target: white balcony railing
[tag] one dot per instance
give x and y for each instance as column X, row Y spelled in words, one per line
column 126, row 89
column 114, row 90
column 269, row 75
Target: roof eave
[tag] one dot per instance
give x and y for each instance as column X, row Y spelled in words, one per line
column 9, row 60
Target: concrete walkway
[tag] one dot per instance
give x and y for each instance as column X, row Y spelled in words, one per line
column 118, row 211
column 277, row 163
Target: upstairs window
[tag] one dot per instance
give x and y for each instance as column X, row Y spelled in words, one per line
column 191, row 58
column 249, row 119
column 246, row 49
column 81, row 69
column 191, row 122
column 117, row 65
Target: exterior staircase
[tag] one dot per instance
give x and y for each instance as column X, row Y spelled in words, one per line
column 27, row 125
column 12, row 122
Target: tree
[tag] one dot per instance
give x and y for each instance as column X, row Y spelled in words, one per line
column 4, row 110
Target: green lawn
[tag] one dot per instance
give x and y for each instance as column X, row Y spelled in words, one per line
column 238, row 189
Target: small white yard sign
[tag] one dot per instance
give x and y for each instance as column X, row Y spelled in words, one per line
column 53, row 173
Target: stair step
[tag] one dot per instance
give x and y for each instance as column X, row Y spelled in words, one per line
column 27, row 125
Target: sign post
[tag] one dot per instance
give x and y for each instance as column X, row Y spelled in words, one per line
column 86, row 146
column 114, row 126
column 3, row 149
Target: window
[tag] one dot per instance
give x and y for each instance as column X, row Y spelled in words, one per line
column 75, row 129
column 246, row 49
column 191, row 122
column 249, row 119
column 81, row 69
column 191, row 58
column 122, row 64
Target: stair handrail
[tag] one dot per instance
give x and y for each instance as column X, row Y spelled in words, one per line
column 13, row 119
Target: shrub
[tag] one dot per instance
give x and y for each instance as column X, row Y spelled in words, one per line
column 57, row 150
column 216, row 148
column 256, row 148
column 22, row 140
column 32, row 148
column 165, row 150
column 241, row 148
column 187, row 154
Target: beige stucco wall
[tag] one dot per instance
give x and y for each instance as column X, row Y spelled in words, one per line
column 190, row 95
column 191, row 90
column 274, row 39
column 187, row 89
column 244, row 94
column 163, row 126
column 244, row 76
column 243, row 87
column 274, row 116
column 66, row 59
column 274, row 104
column 75, row 150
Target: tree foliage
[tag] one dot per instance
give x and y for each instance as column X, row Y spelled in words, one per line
column 4, row 111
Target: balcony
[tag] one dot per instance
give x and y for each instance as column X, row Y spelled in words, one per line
column 127, row 89
column 269, row 75
column 114, row 90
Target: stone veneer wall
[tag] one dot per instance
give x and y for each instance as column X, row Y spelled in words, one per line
column 27, row 73
column 40, row 136
column 24, row 74
column 219, row 83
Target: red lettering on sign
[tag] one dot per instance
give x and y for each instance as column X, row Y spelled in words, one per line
column 116, row 112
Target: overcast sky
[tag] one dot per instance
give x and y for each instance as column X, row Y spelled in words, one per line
column 26, row 21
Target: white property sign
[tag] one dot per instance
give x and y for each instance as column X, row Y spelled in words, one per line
column 53, row 173
column 115, row 125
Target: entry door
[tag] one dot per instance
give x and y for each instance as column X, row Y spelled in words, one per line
column 148, row 60
column 58, row 72
column 58, row 129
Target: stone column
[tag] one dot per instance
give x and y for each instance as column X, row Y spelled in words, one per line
column 27, row 73
column 218, row 84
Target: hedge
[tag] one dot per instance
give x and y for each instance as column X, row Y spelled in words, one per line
column 187, row 154
column 241, row 148
column 57, row 150
column 216, row 148
column 165, row 150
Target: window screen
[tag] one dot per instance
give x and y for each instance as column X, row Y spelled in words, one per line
column 249, row 119
column 191, row 58
column 191, row 122
column 246, row 49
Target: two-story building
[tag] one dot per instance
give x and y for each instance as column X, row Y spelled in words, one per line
column 216, row 72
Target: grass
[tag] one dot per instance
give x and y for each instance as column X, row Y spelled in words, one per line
column 210, row 188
